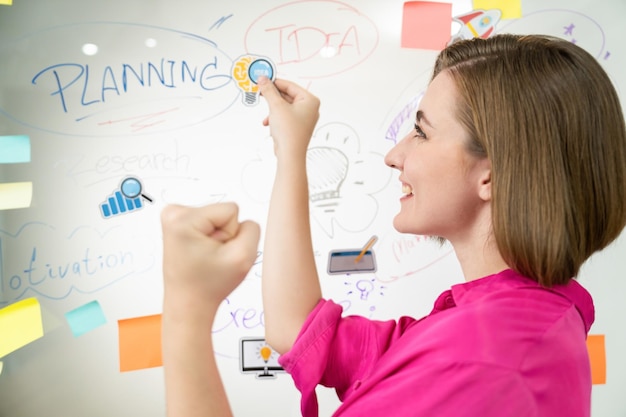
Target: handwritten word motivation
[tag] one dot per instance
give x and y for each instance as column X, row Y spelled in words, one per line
column 55, row 280
column 143, row 79
column 38, row 261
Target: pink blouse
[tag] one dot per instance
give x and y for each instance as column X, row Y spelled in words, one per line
column 497, row 346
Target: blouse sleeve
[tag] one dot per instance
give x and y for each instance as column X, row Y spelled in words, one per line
column 336, row 352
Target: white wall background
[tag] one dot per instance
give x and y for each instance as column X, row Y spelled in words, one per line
column 194, row 146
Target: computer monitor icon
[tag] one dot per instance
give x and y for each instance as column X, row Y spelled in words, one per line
column 257, row 357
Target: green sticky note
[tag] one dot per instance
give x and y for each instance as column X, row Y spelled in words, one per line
column 85, row 318
column 14, row 149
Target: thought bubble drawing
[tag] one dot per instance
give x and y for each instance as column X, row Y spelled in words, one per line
column 571, row 25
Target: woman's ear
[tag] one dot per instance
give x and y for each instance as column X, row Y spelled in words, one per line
column 484, row 185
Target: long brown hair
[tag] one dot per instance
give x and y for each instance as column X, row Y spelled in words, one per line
column 548, row 118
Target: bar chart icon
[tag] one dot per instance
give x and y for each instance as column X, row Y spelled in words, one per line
column 118, row 204
column 128, row 198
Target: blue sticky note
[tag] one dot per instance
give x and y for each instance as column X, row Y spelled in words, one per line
column 85, row 318
column 14, row 149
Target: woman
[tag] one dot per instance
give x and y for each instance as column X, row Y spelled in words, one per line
column 518, row 159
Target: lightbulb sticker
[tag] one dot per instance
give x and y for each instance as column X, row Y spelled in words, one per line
column 128, row 198
column 256, row 356
column 247, row 70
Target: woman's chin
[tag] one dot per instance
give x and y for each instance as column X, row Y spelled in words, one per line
column 401, row 224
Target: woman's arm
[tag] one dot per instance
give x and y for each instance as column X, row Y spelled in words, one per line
column 290, row 282
column 206, row 254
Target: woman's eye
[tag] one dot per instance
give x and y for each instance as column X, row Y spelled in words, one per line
column 419, row 132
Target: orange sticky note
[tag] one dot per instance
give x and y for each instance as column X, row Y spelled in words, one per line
column 140, row 343
column 511, row 9
column 597, row 357
column 426, row 25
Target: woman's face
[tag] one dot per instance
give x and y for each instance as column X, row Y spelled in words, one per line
column 444, row 187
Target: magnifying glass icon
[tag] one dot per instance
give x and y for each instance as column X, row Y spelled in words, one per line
column 131, row 188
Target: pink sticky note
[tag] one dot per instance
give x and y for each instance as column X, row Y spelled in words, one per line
column 426, row 25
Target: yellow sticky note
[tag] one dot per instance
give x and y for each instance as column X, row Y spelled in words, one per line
column 6, row 2
column 1, row 365
column 511, row 9
column 20, row 324
column 15, row 195
column 597, row 357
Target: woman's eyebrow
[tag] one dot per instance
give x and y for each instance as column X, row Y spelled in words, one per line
column 420, row 117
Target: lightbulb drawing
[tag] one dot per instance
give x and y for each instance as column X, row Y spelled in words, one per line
column 365, row 287
column 327, row 169
column 246, row 72
column 367, row 293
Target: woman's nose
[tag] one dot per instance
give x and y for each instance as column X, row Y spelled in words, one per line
column 395, row 156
